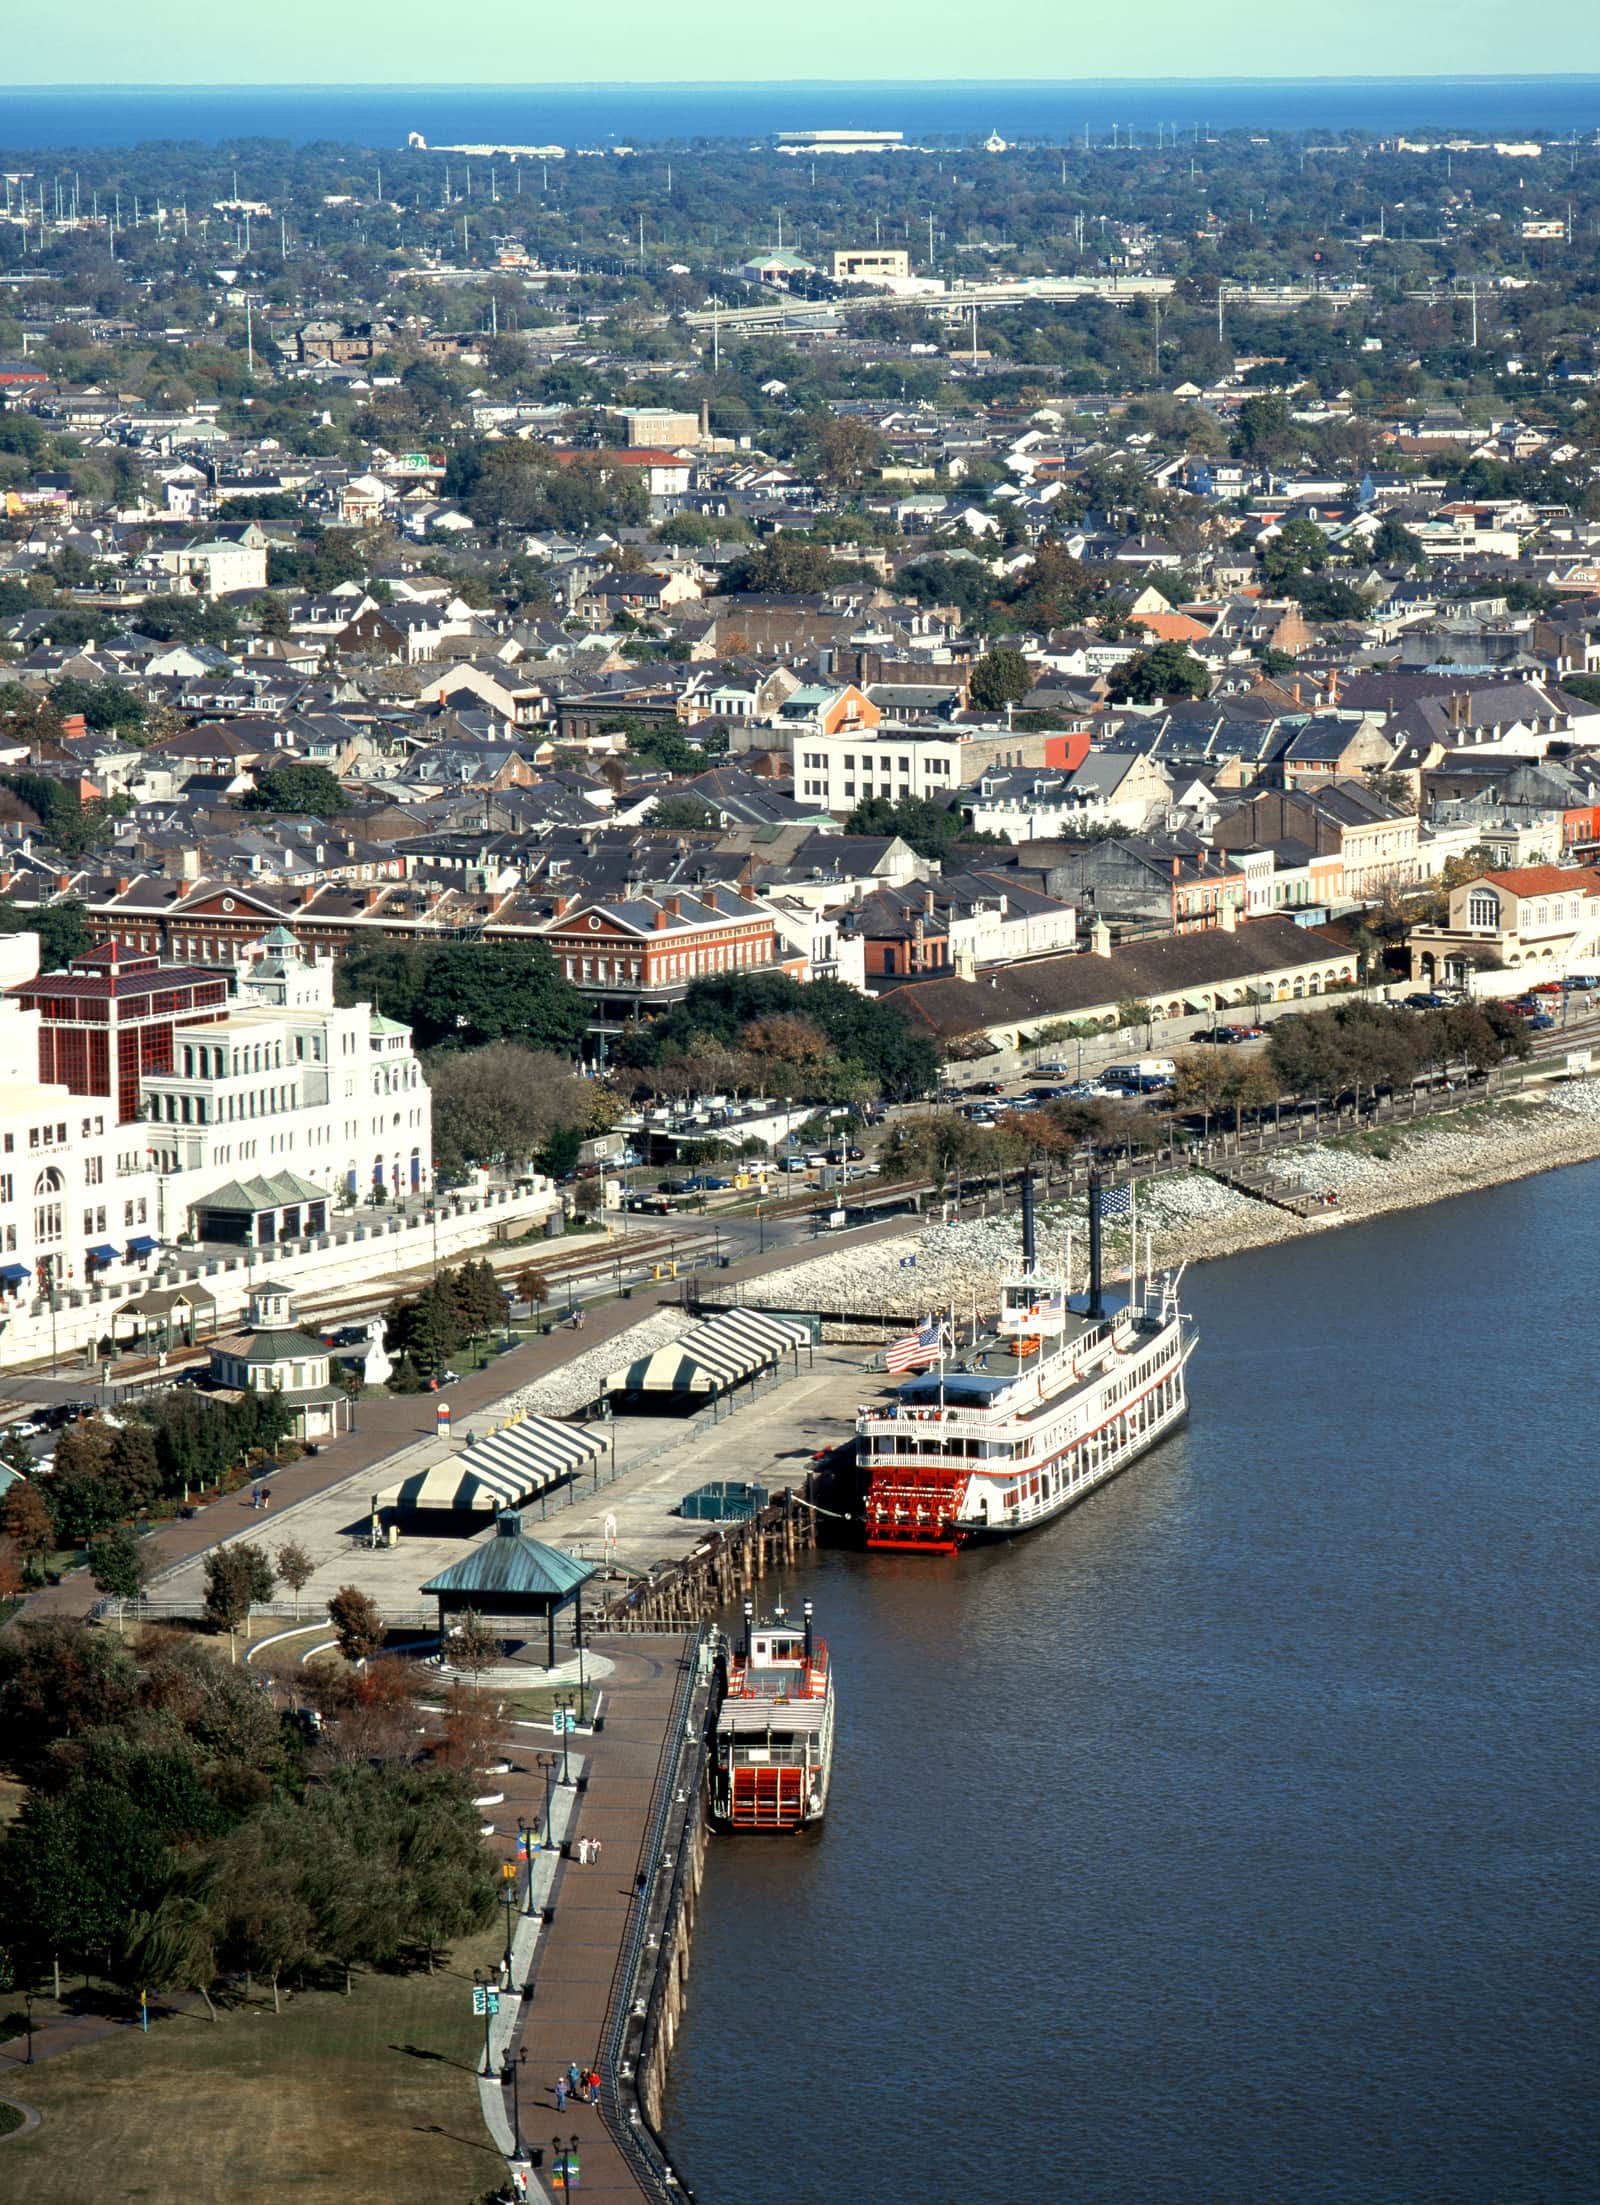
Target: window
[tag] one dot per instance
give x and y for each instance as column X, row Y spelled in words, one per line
column 1483, row 908
column 47, row 1207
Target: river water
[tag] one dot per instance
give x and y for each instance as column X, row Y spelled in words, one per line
column 1234, row 1838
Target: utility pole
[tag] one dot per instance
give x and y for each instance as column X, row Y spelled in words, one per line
column 249, row 334
column 380, row 183
column 1474, row 313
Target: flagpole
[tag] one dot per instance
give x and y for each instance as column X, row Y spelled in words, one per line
column 1133, row 1220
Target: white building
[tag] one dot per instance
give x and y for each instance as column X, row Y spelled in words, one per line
column 76, row 1200
column 289, row 1082
column 841, row 770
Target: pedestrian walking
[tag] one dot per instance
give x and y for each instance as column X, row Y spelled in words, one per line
column 255, row 1496
column 638, row 1884
column 561, row 2093
column 266, row 1498
column 594, row 1849
column 572, row 2077
column 594, row 2086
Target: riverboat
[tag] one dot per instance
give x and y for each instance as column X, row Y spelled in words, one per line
column 774, row 1738
column 1031, row 1415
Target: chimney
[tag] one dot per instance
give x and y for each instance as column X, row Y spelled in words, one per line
column 188, row 865
column 1100, row 939
column 1177, row 866
column 1228, row 916
column 928, row 900
column 747, row 891
column 661, row 921
column 123, row 884
column 371, row 898
column 674, row 904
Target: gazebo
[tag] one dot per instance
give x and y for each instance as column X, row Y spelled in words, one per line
column 513, row 1577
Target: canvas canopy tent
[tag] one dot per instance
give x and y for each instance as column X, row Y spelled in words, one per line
column 513, row 1465
column 714, row 1357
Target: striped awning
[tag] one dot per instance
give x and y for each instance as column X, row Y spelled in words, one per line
column 713, row 1356
column 522, row 1459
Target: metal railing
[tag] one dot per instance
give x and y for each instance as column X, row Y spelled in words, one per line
column 685, row 1737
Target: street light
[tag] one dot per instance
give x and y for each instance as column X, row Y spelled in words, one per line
column 564, row 1709
column 27, row 2002
column 513, row 2070
column 508, row 1899
column 565, row 2156
column 547, row 1763
column 485, row 1983
column 525, row 1833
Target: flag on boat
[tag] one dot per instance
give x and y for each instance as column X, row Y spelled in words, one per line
column 1117, row 1201
column 917, row 1349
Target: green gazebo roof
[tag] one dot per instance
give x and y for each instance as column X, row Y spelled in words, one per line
column 510, row 1563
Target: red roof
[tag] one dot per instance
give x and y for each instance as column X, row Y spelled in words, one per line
column 1545, row 880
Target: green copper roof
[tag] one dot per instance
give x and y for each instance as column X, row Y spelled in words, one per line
column 514, row 1565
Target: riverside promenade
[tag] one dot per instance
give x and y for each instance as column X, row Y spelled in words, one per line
column 570, row 1973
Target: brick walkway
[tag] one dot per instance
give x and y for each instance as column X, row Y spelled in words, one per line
column 575, row 1960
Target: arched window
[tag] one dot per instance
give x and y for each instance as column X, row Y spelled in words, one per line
column 1483, row 908
column 47, row 1207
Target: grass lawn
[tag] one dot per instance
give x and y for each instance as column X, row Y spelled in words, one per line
column 370, row 2096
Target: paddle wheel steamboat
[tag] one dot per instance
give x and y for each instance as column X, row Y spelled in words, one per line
column 1037, row 1412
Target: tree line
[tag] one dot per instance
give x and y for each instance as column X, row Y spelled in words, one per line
column 823, row 1042
column 160, row 1449
column 179, row 1826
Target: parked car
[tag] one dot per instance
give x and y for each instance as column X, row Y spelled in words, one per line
column 988, row 1087
column 793, row 1163
column 651, row 1205
column 1424, row 1002
column 705, row 1182
column 1541, row 1022
column 1221, row 1035
column 1054, row 1071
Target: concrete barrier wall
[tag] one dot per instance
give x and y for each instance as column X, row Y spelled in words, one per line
column 373, row 1245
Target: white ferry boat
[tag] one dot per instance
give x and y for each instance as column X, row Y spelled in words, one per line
column 1033, row 1414
column 774, row 1747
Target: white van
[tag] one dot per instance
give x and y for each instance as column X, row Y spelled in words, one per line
column 1142, row 1068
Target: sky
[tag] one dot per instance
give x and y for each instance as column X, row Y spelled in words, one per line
column 735, row 41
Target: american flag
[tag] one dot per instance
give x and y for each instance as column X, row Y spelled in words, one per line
column 917, row 1349
column 1117, row 1201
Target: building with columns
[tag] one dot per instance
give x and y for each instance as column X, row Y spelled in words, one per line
column 289, row 1083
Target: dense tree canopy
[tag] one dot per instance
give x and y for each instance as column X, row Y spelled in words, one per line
column 298, row 788
column 827, row 1038
column 464, row 995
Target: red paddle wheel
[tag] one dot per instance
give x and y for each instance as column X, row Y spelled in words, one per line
column 915, row 1508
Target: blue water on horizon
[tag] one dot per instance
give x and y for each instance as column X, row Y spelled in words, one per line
column 104, row 116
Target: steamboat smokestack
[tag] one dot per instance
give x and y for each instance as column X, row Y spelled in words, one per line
column 809, row 1638
column 749, row 1625
column 1097, row 1307
column 1027, row 1218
